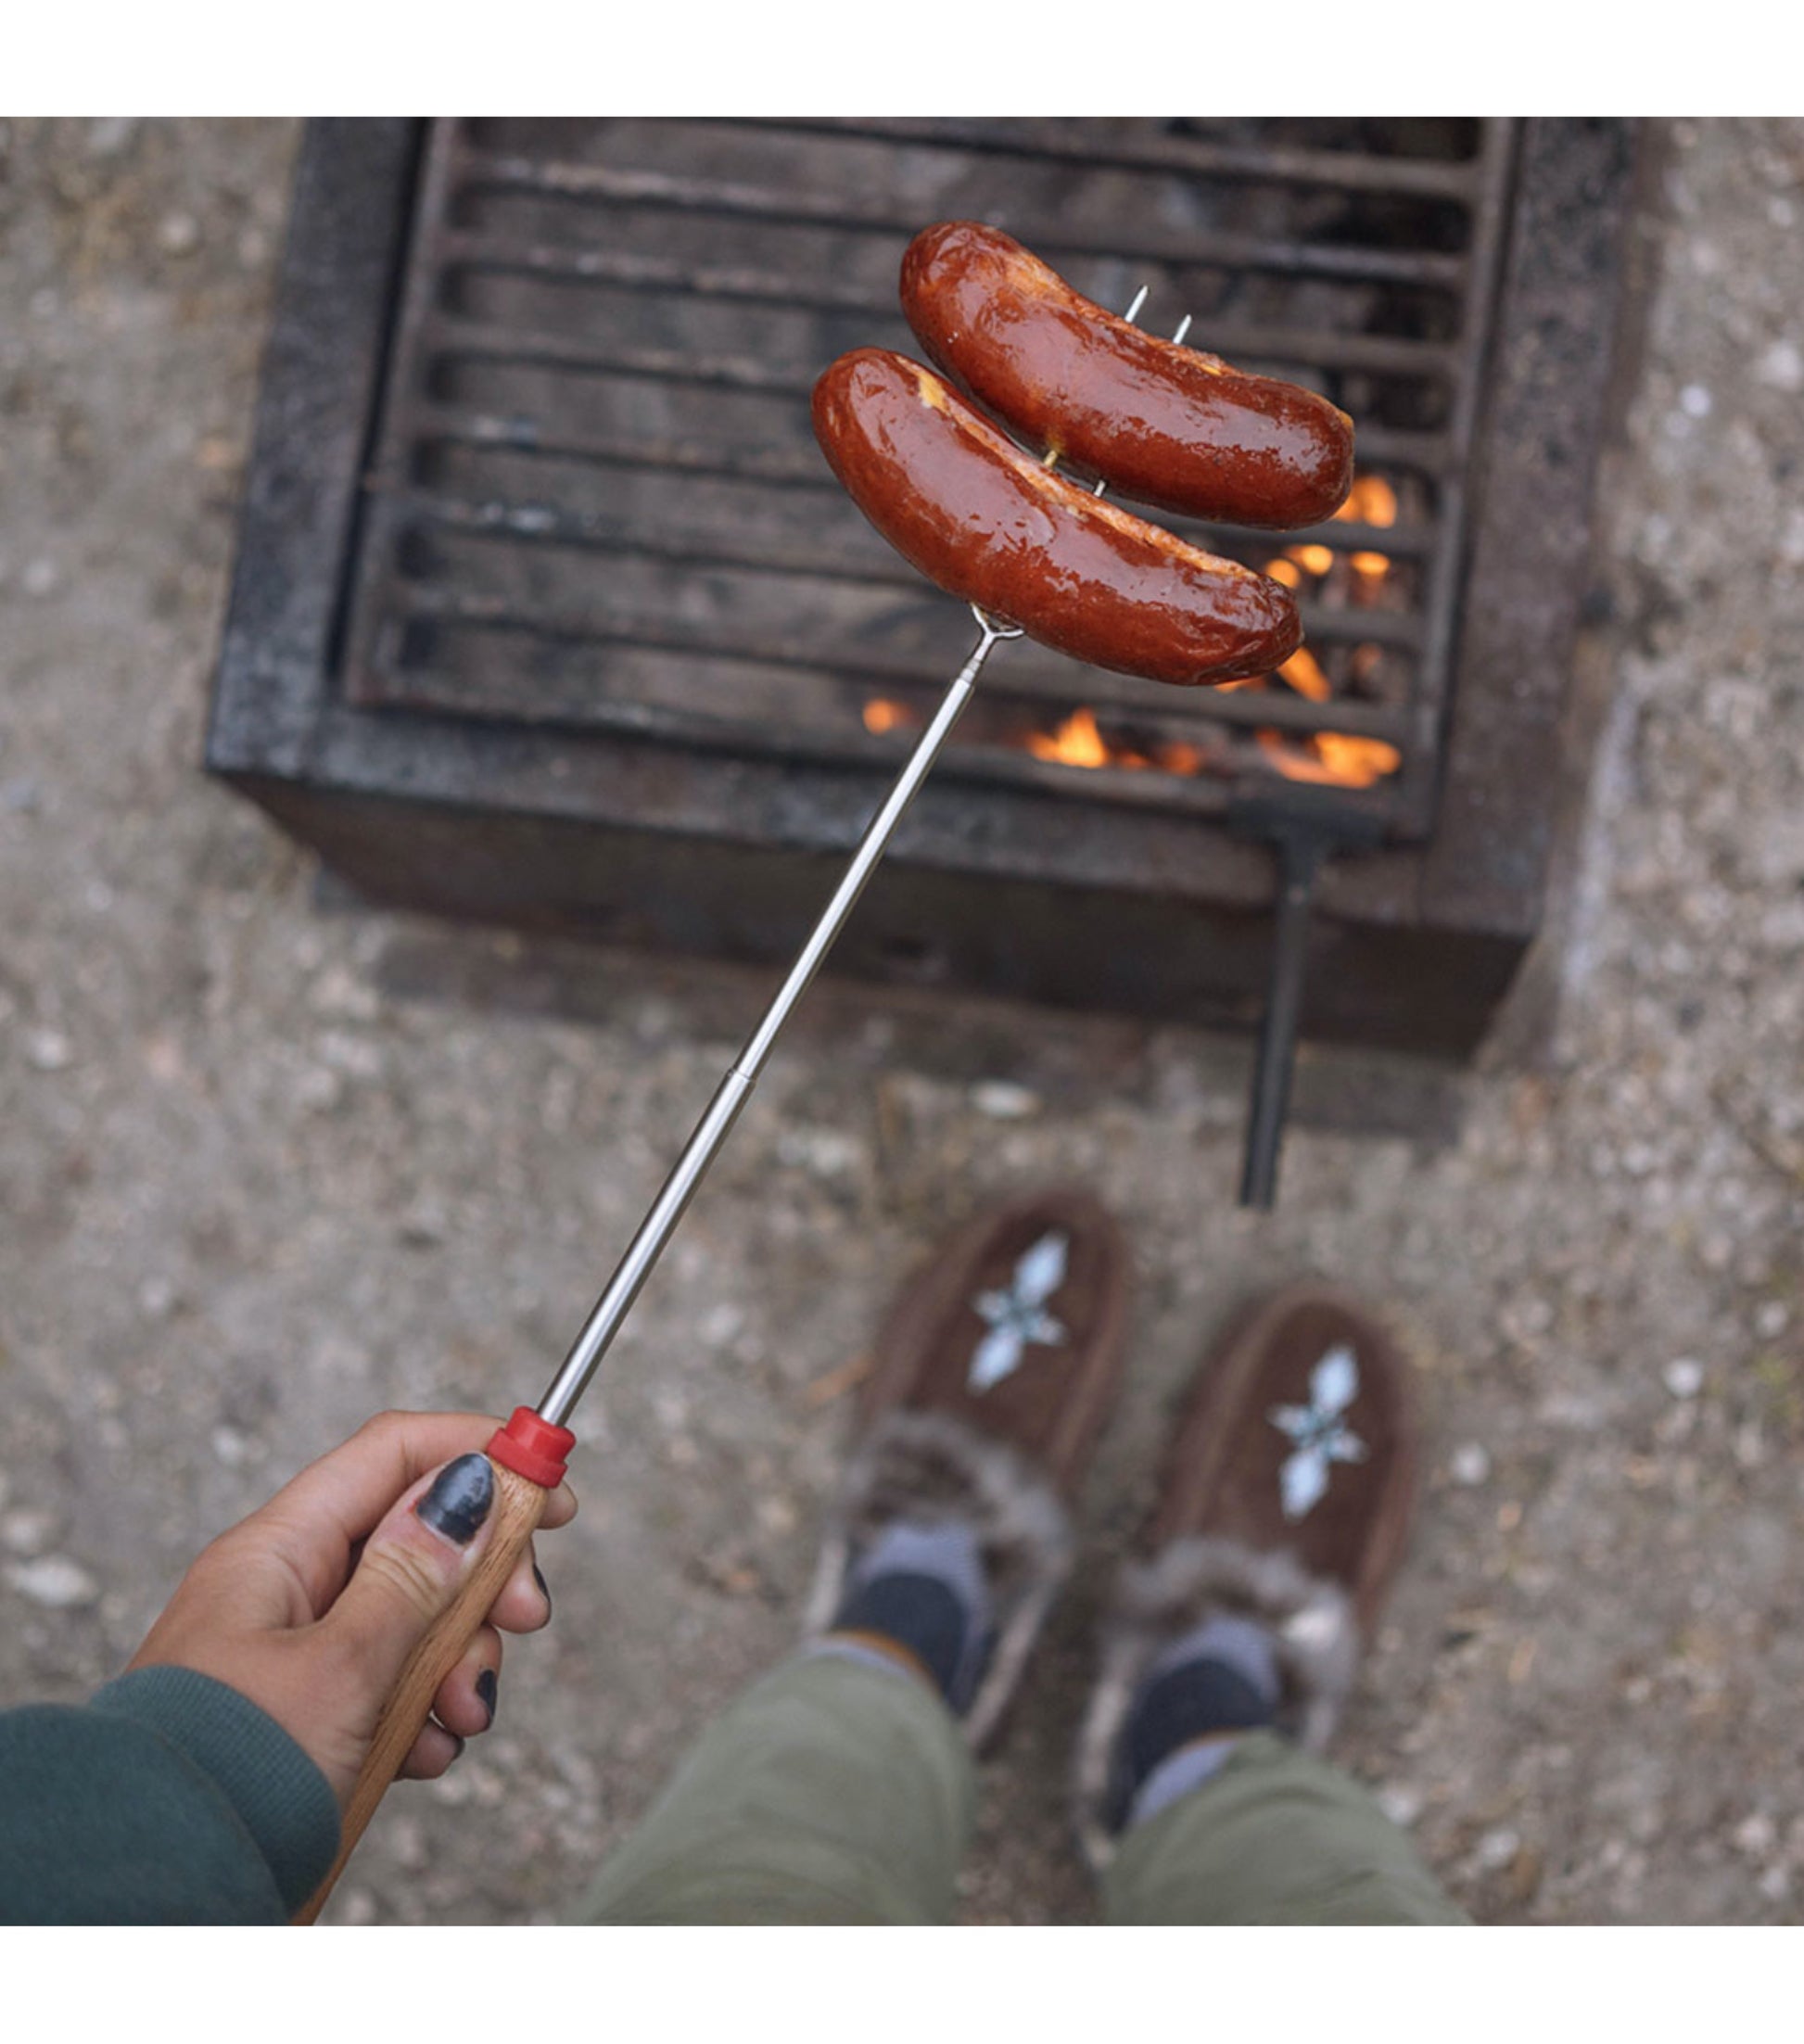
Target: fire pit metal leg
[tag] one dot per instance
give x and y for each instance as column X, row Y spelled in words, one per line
column 1299, row 858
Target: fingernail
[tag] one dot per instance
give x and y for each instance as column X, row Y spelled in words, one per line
column 544, row 1588
column 487, row 1687
column 459, row 1501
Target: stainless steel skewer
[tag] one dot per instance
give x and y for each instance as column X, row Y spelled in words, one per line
column 611, row 1308
column 711, row 1132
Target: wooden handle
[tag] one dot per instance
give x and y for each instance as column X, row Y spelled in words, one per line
column 519, row 1504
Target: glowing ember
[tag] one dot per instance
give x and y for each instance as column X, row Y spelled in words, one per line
column 1317, row 560
column 1284, row 571
column 1076, row 743
column 882, row 715
column 1375, row 565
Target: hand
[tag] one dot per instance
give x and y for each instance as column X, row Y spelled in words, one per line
column 311, row 1606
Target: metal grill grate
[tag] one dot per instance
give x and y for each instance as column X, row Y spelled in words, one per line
column 596, row 498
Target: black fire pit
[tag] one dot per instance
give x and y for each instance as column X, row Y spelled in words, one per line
column 548, row 611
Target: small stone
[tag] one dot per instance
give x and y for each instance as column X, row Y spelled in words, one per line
column 231, row 1447
column 1773, row 1319
column 1756, row 1835
column 720, row 1323
column 355, row 1906
column 407, row 1842
column 1403, row 1802
column 26, row 1533
column 824, row 1152
column 54, row 1580
column 40, row 577
column 1781, row 367
column 47, row 1051
column 355, row 1054
column 1469, row 1464
column 1498, row 1849
column 425, row 1224
column 18, row 797
column 111, row 137
column 1003, row 1101
column 1775, row 1883
column 1695, row 401
column 156, row 1297
column 178, row 234
column 1684, row 1377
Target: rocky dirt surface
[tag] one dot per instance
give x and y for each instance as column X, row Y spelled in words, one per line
column 269, row 1162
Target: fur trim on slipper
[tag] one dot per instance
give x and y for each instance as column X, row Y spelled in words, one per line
column 1313, row 1631
column 927, row 1466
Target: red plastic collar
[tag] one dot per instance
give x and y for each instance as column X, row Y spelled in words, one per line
column 533, row 1448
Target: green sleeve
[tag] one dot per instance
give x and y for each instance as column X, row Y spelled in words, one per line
column 169, row 1798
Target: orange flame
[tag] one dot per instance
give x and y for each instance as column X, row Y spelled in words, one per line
column 1331, row 758
column 1303, row 673
column 1076, row 743
column 881, row 714
column 1371, row 502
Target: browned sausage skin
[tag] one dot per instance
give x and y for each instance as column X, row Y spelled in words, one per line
column 960, row 500
column 1164, row 424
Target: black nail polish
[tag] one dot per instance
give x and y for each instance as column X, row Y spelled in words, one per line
column 487, row 1687
column 457, row 1502
column 544, row 1588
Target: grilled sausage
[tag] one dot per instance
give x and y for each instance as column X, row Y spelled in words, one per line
column 956, row 498
column 1164, row 424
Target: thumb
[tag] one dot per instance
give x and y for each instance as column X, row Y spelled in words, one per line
column 411, row 1567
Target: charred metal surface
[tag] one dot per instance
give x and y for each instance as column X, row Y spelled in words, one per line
column 647, row 812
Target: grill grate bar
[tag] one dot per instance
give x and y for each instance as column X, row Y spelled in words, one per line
column 451, row 424
column 800, row 467
column 551, row 524
column 1192, row 249
column 1239, row 343
column 1338, row 170
column 427, row 601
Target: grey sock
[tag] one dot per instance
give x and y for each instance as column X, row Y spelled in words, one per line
column 1238, row 1644
column 922, row 1585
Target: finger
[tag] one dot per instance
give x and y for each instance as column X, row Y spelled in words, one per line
column 319, row 1517
column 466, row 1699
column 524, row 1603
column 412, row 1568
column 430, row 1753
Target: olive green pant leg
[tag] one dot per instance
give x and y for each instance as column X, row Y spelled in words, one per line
column 832, row 1792
column 1275, row 1837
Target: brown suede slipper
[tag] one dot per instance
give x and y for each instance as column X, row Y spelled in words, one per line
column 994, row 1372
column 1287, row 1498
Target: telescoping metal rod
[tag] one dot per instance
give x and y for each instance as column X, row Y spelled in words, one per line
column 711, row 1132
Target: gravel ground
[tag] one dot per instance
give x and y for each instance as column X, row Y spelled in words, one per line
column 269, row 1164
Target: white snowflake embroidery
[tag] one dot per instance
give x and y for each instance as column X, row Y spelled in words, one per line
column 1322, row 1437
column 1018, row 1315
